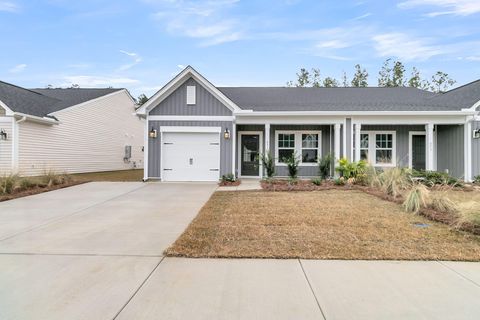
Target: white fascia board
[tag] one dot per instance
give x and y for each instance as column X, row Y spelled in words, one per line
column 474, row 107
column 173, row 84
column 405, row 120
column 90, row 101
column 43, row 120
column 191, row 129
column 350, row 113
column 8, row 111
column 190, row 118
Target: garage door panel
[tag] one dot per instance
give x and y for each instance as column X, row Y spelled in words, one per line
column 191, row 156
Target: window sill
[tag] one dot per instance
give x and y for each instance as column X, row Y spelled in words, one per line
column 300, row 164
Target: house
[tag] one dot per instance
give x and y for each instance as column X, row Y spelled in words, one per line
column 195, row 131
column 68, row 130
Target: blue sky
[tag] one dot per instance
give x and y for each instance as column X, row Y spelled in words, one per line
column 141, row 44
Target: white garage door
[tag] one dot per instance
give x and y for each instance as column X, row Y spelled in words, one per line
column 190, row 156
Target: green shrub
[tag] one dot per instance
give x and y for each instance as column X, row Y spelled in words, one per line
column 292, row 163
column 317, row 181
column 7, row 183
column 476, row 179
column 26, row 183
column 432, row 178
column 268, row 163
column 349, row 169
column 229, row 177
column 324, row 164
column 339, row 181
column 417, row 198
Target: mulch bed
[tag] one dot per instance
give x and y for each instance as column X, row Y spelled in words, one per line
column 299, row 185
column 37, row 190
column 230, row 183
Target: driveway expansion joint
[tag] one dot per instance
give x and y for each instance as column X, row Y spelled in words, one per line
column 458, row 273
column 311, row 289
column 138, row 289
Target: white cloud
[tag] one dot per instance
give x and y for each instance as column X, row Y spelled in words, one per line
column 450, row 7
column 404, row 47
column 97, row 81
column 18, row 68
column 363, row 16
column 8, row 6
column 136, row 59
column 473, row 58
column 181, row 66
column 205, row 20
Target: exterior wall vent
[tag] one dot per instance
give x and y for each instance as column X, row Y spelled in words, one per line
column 191, row 95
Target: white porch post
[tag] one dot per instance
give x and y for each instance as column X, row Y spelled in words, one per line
column 429, row 165
column 234, row 148
column 358, row 129
column 468, row 151
column 336, row 144
column 267, row 137
column 145, row 150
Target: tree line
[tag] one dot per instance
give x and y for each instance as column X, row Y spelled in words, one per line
column 392, row 74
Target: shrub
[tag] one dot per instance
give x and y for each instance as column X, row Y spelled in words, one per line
column 26, row 183
column 469, row 212
column 349, row 169
column 229, row 177
column 432, row 178
column 417, row 198
column 52, row 178
column 324, row 164
column 317, row 181
column 292, row 163
column 268, row 163
column 339, row 181
column 476, row 179
column 394, row 181
column 7, row 183
column 443, row 204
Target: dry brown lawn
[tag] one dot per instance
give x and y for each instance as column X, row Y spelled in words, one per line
column 332, row 224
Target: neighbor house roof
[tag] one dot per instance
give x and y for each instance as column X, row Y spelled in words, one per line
column 42, row 102
column 348, row 99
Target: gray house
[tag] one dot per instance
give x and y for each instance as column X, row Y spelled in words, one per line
column 196, row 131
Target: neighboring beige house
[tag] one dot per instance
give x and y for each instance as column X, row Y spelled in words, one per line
column 68, row 130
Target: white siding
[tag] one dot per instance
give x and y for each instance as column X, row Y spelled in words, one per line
column 90, row 137
column 6, row 146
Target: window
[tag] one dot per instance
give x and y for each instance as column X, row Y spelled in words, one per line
column 377, row 147
column 191, row 95
column 305, row 144
column 309, row 148
column 286, row 146
column 364, row 146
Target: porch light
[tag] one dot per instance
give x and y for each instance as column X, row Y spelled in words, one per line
column 3, row 135
column 476, row 134
column 153, row 133
column 226, row 134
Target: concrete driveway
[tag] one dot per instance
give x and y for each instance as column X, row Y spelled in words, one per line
column 94, row 251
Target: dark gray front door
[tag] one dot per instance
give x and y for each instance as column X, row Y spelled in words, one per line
column 418, row 152
column 250, row 148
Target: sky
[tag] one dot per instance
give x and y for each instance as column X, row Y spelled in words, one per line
column 141, row 44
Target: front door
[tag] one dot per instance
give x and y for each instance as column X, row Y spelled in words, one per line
column 418, row 152
column 250, row 149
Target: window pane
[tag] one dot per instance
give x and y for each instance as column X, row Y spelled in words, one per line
column 383, row 156
column 364, row 140
column 284, row 153
column 364, row 154
column 310, row 141
column 384, row 140
column 286, row 140
column 309, row 155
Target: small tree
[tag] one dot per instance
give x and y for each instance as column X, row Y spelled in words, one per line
column 142, row 99
column 384, row 75
column 398, row 74
column 360, row 78
column 316, row 80
column 324, row 164
column 303, row 78
column 416, row 80
column 345, row 80
column 268, row 163
column 441, row 82
column 292, row 164
column 330, row 82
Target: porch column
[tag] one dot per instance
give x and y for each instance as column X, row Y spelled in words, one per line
column 468, row 151
column 267, row 137
column 358, row 129
column 336, row 148
column 429, row 166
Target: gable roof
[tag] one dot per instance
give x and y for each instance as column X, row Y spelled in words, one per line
column 42, row 102
column 347, row 99
column 464, row 97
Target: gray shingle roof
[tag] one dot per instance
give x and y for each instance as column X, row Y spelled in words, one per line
column 42, row 102
column 344, row 99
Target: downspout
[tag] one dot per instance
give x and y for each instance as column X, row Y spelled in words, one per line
column 15, row 143
column 332, row 165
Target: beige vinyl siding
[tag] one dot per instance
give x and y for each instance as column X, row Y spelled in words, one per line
column 90, row 137
column 2, row 111
column 6, row 146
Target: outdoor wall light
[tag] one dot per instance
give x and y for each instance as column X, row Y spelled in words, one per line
column 476, row 134
column 226, row 134
column 153, row 133
column 3, row 135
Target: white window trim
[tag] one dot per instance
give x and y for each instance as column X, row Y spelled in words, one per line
column 372, row 147
column 298, row 145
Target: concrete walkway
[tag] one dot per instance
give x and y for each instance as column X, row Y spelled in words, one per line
column 94, row 252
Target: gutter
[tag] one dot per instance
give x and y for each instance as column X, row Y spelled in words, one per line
column 43, row 120
column 354, row 113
